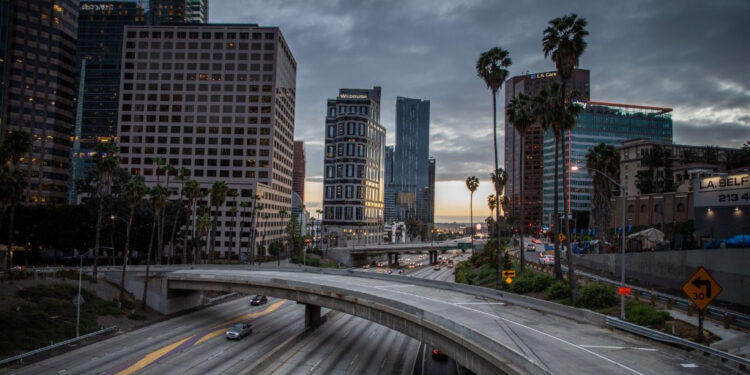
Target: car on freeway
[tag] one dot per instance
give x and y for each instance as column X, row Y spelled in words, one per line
column 438, row 355
column 239, row 331
column 531, row 247
column 366, row 266
column 388, row 271
column 401, row 270
column 258, row 300
column 436, row 267
column 547, row 258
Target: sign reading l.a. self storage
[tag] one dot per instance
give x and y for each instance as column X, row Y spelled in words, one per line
column 732, row 190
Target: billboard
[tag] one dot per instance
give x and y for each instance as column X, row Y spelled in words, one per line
column 719, row 191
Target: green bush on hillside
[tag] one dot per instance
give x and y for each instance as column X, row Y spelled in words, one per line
column 558, row 290
column 596, row 296
column 530, row 281
column 645, row 315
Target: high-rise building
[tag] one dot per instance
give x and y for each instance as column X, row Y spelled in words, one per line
column 411, row 160
column 298, row 169
column 430, row 195
column 533, row 183
column 219, row 101
column 353, row 168
column 100, row 26
column 178, row 11
column 598, row 122
column 38, row 89
column 389, row 199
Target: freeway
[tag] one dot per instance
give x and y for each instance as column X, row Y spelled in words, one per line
column 550, row 342
column 189, row 344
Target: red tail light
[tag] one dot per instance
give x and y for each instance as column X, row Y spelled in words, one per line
column 435, row 352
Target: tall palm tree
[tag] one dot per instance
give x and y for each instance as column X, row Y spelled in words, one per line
column 265, row 224
column 191, row 191
column 499, row 178
column 233, row 194
column 133, row 192
column 563, row 41
column 492, row 203
column 159, row 195
column 605, row 159
column 282, row 215
column 257, row 206
column 472, row 183
column 106, row 161
column 203, row 224
column 492, row 69
column 169, row 170
column 520, row 112
column 182, row 175
column 219, row 191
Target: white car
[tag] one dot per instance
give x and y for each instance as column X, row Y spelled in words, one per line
column 547, row 258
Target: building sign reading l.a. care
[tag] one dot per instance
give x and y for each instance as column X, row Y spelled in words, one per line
column 732, row 190
column 543, row 75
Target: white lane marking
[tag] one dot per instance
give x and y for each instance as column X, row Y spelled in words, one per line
column 353, row 360
column 529, row 328
column 479, row 303
column 689, row 365
column 316, row 365
column 383, row 363
column 619, row 347
column 346, row 333
column 392, row 286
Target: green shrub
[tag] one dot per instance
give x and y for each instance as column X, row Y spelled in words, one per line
column 597, row 296
column 645, row 315
column 558, row 290
column 136, row 317
column 127, row 304
column 464, row 273
column 531, row 282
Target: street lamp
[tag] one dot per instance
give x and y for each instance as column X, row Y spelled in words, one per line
column 624, row 194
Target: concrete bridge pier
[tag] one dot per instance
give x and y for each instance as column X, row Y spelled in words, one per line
column 393, row 256
column 433, row 256
column 312, row 316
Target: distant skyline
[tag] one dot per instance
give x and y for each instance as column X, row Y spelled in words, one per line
column 688, row 56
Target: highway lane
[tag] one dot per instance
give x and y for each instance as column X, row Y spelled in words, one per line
column 189, row 344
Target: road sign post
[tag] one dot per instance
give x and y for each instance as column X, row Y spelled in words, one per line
column 701, row 289
column 509, row 275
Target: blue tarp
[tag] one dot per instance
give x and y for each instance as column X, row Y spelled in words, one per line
column 740, row 240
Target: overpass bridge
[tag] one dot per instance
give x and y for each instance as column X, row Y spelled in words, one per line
column 486, row 331
column 359, row 255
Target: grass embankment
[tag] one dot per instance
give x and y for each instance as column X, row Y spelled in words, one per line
column 48, row 315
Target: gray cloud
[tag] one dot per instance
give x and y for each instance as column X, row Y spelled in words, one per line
column 689, row 56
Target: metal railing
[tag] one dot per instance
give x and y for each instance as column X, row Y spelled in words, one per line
column 59, row 344
column 664, row 337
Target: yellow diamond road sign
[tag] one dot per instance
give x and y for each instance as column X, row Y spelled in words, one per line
column 509, row 280
column 701, row 288
column 561, row 237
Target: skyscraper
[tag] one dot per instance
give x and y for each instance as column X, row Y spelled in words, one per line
column 37, row 94
column 298, row 170
column 389, row 199
column 533, row 183
column 178, row 11
column 216, row 100
column 354, row 172
column 411, row 159
column 599, row 122
column 100, row 26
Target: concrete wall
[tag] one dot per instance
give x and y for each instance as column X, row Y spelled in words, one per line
column 671, row 269
column 175, row 301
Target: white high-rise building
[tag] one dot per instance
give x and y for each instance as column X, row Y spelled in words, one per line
column 219, row 101
column 354, row 169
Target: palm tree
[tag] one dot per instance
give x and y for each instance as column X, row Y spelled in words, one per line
column 106, row 161
column 499, row 178
column 605, row 159
column 159, row 195
column 282, row 215
column 203, row 223
column 219, row 192
column 233, row 194
column 245, row 205
column 492, row 69
column 133, row 192
column 12, row 186
column 520, row 112
column 564, row 42
column 265, row 224
column 182, row 175
column 169, row 170
column 472, row 183
column 254, row 225
column 492, row 203
column 192, row 192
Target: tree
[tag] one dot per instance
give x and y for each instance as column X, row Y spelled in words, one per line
column 606, row 159
column 472, row 183
column 203, row 224
column 257, row 206
column 192, row 191
column 14, row 146
column 106, row 161
column 233, row 194
column 492, row 204
column 218, row 193
column 492, row 69
column 275, row 249
column 133, row 193
column 159, row 195
column 499, row 178
column 564, row 42
column 282, row 214
column 520, row 112
column 182, row 176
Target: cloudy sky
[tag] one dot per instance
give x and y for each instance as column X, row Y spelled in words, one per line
column 691, row 56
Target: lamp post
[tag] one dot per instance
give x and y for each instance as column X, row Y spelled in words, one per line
column 624, row 195
column 78, row 301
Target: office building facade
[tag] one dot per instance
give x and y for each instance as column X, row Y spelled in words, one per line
column 532, row 173
column 353, row 184
column 598, row 122
column 38, row 89
column 178, row 11
column 298, row 169
column 389, row 199
column 100, row 27
column 219, row 101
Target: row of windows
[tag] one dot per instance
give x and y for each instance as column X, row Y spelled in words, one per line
column 263, row 119
column 331, row 150
column 201, row 35
column 189, row 129
column 149, row 150
column 194, row 46
column 344, row 191
column 198, row 141
column 345, row 170
column 349, row 128
column 343, row 213
column 352, row 109
column 206, row 173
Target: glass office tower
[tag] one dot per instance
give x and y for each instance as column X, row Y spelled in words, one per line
column 599, row 122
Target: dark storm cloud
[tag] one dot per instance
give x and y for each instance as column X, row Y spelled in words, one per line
column 687, row 55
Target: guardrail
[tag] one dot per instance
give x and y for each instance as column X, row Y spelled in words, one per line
column 219, row 298
column 59, row 344
column 663, row 337
column 724, row 315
